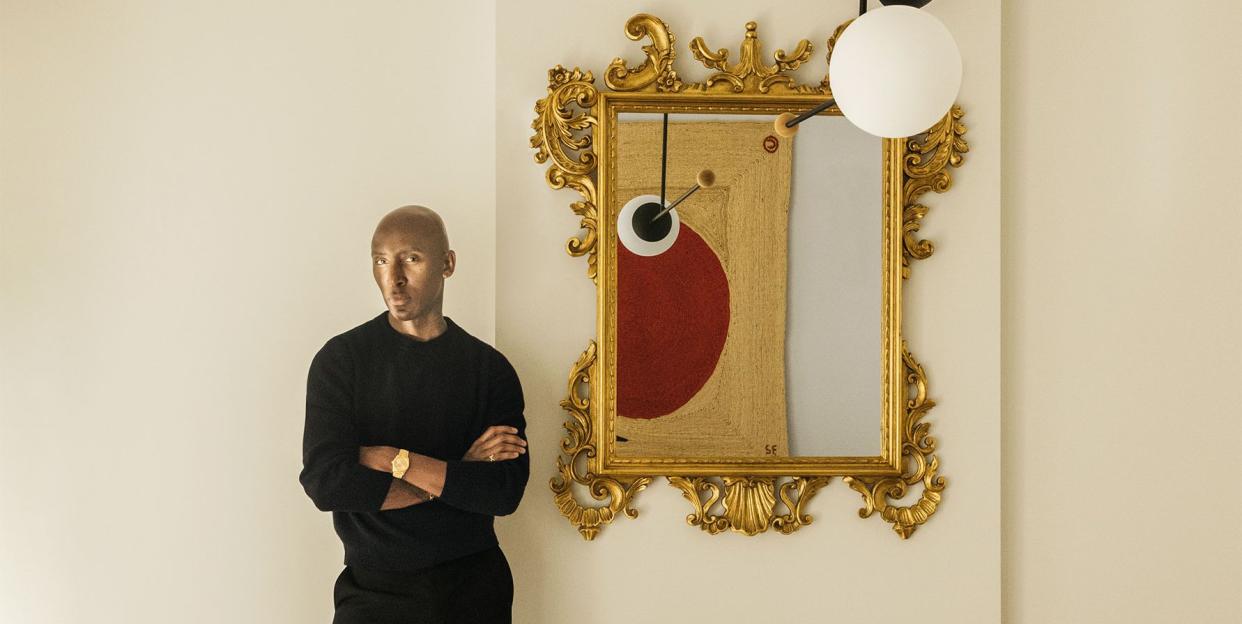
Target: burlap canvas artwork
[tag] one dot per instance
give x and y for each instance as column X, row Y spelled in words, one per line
column 701, row 327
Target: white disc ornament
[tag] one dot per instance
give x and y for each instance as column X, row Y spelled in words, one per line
column 639, row 233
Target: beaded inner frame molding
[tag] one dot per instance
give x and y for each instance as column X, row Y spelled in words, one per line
column 742, row 495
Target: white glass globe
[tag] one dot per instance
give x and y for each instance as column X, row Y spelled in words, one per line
column 895, row 71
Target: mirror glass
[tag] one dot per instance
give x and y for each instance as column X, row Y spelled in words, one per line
column 748, row 316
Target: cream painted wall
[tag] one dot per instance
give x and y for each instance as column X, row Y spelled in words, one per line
column 1121, row 305
column 187, row 192
column 181, row 190
column 842, row 568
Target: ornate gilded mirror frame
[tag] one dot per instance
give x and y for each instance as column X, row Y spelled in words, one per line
column 746, row 495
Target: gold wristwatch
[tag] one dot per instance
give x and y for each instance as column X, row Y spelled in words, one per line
column 400, row 463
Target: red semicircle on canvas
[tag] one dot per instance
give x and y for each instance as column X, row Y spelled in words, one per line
column 672, row 322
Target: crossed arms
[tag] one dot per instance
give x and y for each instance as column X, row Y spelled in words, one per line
column 340, row 474
column 424, row 479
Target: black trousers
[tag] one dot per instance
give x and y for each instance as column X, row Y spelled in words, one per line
column 475, row 589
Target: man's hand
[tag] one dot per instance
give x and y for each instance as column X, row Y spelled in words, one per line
column 377, row 457
column 496, row 444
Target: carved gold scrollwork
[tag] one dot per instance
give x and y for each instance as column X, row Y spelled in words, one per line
column 750, row 74
column 702, row 516
column 566, row 122
column 795, row 494
column 825, row 85
column 563, row 125
column 656, row 72
column 748, row 503
column 921, row 465
column 926, row 169
column 573, row 465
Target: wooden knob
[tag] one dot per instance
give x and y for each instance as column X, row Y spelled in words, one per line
column 706, row 178
column 780, row 127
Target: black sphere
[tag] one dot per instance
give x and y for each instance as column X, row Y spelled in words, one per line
column 648, row 230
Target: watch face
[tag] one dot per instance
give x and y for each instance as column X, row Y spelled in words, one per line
column 400, row 464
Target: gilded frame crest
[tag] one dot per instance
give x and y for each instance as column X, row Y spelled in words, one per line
column 743, row 495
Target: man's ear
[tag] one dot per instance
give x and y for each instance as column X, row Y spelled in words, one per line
column 450, row 263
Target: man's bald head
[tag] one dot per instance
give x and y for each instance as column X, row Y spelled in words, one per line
column 416, row 223
column 410, row 258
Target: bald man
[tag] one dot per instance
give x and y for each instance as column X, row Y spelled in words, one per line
column 415, row 440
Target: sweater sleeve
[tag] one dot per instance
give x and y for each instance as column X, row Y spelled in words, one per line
column 492, row 488
column 331, row 474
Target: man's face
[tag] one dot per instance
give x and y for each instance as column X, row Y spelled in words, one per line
column 409, row 266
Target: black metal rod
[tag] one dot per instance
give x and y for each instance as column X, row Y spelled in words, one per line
column 810, row 113
column 862, row 7
column 674, row 204
column 664, row 159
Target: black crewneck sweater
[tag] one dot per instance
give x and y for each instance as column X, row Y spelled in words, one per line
column 374, row 386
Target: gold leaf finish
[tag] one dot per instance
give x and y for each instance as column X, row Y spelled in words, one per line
column 702, row 516
column 926, row 168
column 573, row 465
column 751, row 74
column 921, row 464
column 795, row 494
column 563, row 133
column 656, row 72
column 832, row 44
column 748, row 503
column 743, row 495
